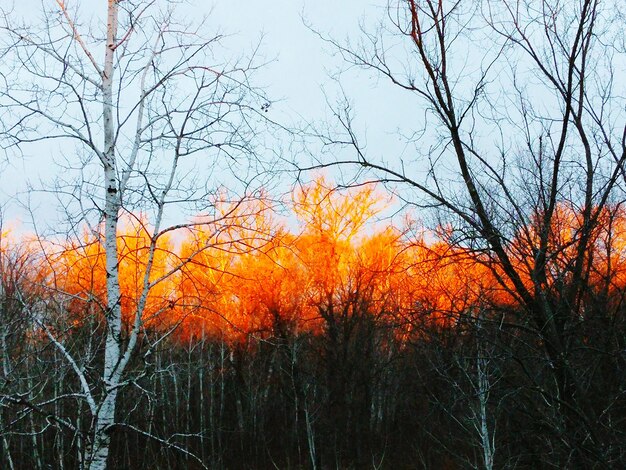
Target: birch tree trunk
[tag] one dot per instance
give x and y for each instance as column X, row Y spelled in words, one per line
column 105, row 417
column 483, row 388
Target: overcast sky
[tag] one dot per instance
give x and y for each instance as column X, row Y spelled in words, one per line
column 297, row 75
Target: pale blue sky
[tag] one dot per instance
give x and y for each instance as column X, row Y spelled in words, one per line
column 297, row 74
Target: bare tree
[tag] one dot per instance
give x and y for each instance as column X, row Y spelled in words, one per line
column 153, row 113
column 521, row 150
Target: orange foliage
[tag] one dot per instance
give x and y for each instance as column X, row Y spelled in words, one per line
column 244, row 273
column 604, row 262
column 79, row 271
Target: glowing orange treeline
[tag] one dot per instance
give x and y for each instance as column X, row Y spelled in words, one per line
column 250, row 274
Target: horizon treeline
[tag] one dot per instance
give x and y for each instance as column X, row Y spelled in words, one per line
column 337, row 341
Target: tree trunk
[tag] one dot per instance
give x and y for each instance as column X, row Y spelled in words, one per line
column 105, row 417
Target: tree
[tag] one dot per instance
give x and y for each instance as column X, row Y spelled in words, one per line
column 517, row 134
column 156, row 107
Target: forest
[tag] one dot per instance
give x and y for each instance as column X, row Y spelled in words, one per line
column 345, row 343
column 223, row 289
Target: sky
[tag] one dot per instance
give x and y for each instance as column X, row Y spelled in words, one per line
column 296, row 77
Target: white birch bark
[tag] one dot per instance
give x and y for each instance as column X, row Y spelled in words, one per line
column 105, row 416
column 482, row 386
